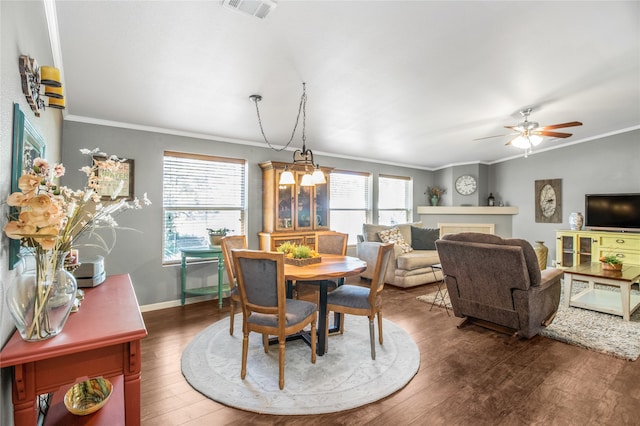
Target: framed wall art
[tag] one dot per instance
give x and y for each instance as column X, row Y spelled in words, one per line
column 28, row 145
column 115, row 183
column 548, row 207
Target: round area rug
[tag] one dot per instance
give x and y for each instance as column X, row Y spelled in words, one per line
column 346, row 377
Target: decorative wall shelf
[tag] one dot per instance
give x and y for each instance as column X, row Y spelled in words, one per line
column 510, row 210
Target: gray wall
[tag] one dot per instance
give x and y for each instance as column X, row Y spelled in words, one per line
column 583, row 168
column 23, row 32
column 607, row 165
column 139, row 253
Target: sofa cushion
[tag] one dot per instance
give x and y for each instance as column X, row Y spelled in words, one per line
column 370, row 231
column 424, row 238
column 417, row 259
column 393, row 235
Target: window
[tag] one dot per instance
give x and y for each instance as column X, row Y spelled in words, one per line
column 200, row 192
column 394, row 199
column 349, row 202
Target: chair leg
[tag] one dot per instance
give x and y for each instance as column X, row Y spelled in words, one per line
column 245, row 350
column 380, row 327
column 326, row 332
column 372, row 338
column 281, row 341
column 231, row 314
column 314, row 339
column 265, row 343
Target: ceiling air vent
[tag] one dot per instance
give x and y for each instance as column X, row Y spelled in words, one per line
column 258, row 8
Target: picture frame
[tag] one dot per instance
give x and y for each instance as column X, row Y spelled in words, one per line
column 108, row 180
column 28, row 145
column 548, row 201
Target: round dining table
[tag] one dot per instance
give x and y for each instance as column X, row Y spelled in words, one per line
column 332, row 267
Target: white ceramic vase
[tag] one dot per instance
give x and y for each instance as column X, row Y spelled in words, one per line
column 575, row 221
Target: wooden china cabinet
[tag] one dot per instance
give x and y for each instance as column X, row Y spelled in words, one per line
column 292, row 212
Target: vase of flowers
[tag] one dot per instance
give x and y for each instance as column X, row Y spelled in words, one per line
column 48, row 219
column 434, row 194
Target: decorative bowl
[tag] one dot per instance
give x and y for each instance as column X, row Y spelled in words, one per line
column 88, row 397
column 302, row 262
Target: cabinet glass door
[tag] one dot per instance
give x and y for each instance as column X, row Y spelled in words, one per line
column 567, row 251
column 285, row 202
column 322, row 206
column 304, row 209
column 584, row 253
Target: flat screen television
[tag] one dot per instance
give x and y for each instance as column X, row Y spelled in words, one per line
column 612, row 212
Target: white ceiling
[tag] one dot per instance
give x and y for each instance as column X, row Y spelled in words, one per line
column 401, row 82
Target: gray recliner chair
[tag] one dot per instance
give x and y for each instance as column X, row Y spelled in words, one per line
column 498, row 282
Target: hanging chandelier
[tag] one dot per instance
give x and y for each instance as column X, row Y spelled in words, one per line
column 302, row 158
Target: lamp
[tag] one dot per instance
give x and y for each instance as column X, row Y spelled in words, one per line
column 33, row 77
column 301, row 158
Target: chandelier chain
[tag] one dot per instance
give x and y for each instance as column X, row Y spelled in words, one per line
column 301, row 108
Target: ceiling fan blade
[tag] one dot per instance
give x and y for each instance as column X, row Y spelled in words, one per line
column 494, row 136
column 552, row 134
column 561, row 125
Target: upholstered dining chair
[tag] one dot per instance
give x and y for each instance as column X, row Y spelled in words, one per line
column 229, row 243
column 358, row 300
column 331, row 242
column 327, row 242
column 266, row 309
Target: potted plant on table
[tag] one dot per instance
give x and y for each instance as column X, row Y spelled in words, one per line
column 215, row 235
column 611, row 262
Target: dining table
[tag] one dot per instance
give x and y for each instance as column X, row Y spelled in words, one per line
column 331, row 267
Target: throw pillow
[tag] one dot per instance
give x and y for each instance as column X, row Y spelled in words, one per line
column 424, row 238
column 393, row 235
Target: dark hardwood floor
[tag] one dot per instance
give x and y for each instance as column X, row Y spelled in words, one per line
column 468, row 376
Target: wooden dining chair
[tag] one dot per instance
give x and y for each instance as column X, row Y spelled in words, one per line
column 358, row 300
column 327, row 242
column 266, row 309
column 228, row 243
column 331, row 242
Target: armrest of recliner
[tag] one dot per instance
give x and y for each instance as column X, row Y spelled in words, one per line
column 360, row 238
column 549, row 276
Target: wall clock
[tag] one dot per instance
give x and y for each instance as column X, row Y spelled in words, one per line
column 548, row 205
column 466, row 185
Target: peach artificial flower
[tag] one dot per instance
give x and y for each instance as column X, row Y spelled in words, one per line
column 28, row 184
column 16, row 229
column 48, row 237
column 17, row 199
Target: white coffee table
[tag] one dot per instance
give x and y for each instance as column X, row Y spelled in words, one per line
column 610, row 302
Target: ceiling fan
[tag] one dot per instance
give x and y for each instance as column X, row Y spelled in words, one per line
column 530, row 133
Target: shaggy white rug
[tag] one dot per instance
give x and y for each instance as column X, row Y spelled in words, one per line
column 346, row 377
column 596, row 331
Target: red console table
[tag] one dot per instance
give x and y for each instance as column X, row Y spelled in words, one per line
column 101, row 339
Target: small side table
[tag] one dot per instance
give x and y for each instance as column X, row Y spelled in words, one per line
column 202, row 253
column 440, row 298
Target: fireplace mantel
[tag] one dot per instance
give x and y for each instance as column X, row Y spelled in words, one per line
column 469, row 210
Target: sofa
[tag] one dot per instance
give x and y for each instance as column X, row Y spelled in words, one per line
column 414, row 253
column 498, row 282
